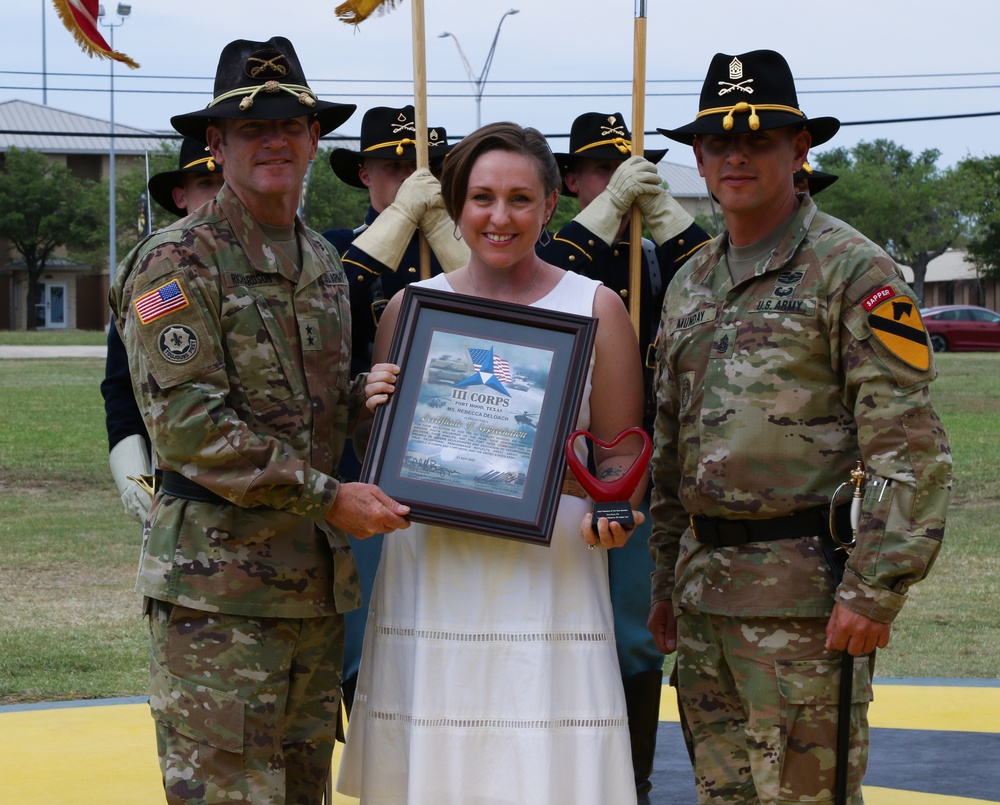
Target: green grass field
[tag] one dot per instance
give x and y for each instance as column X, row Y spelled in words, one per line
column 70, row 625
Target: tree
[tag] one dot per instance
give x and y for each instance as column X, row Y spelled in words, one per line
column 982, row 179
column 130, row 196
column 906, row 204
column 331, row 204
column 44, row 207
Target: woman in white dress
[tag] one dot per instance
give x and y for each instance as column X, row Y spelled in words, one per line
column 489, row 673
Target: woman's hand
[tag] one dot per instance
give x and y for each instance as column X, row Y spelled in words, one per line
column 610, row 535
column 381, row 383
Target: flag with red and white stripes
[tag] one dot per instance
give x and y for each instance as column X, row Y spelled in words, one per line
column 80, row 19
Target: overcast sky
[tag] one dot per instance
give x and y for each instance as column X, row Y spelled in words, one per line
column 860, row 60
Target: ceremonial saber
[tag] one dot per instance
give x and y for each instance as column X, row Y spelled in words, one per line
column 638, row 121
column 845, row 699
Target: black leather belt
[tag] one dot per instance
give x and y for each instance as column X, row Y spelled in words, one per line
column 179, row 486
column 718, row 532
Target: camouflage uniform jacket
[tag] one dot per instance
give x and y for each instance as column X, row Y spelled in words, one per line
column 767, row 393
column 240, row 362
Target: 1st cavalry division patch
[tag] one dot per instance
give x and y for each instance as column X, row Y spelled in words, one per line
column 897, row 325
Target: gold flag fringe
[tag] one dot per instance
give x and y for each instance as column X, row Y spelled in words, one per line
column 354, row 11
column 86, row 45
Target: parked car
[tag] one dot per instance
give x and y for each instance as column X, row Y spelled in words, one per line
column 962, row 327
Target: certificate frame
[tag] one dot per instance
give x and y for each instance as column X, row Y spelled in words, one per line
column 480, row 447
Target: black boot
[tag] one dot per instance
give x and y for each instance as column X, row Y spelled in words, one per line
column 642, row 701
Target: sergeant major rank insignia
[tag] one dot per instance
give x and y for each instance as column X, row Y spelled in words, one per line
column 897, row 325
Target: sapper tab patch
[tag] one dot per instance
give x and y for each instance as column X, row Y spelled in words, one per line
column 161, row 301
column 897, row 325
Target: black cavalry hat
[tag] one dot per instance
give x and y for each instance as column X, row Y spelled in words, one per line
column 596, row 135
column 817, row 180
column 261, row 81
column 195, row 158
column 387, row 133
column 751, row 92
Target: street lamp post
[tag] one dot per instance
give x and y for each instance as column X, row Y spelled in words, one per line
column 123, row 11
column 478, row 84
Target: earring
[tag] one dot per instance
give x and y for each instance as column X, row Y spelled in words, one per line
column 544, row 238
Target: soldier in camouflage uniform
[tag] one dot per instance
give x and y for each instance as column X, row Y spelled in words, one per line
column 791, row 349
column 237, row 326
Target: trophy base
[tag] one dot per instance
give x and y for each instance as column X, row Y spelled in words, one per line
column 615, row 512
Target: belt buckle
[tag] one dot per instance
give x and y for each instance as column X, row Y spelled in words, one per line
column 651, row 356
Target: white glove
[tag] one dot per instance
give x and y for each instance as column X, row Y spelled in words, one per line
column 635, row 177
column 131, row 458
column 389, row 235
column 665, row 218
column 440, row 231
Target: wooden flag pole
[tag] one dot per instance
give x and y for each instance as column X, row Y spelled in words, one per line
column 420, row 114
column 638, row 121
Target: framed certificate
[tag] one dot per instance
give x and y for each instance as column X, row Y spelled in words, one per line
column 473, row 436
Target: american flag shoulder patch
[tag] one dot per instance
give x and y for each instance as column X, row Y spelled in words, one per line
column 158, row 302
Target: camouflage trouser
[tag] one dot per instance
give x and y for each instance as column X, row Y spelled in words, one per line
column 246, row 708
column 760, row 698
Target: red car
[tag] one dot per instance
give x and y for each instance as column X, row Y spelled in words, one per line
column 962, row 327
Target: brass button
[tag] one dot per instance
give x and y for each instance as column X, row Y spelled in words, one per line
column 616, row 252
column 623, row 293
column 412, row 270
column 590, row 243
column 680, row 241
column 572, row 258
column 361, row 277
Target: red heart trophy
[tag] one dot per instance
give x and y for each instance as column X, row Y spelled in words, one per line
column 611, row 498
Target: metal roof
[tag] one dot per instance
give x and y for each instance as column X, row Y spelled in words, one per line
column 682, row 181
column 48, row 130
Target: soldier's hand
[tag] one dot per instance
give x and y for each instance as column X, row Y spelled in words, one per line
column 417, row 193
column 129, row 460
column 855, row 633
column 662, row 625
column 663, row 215
column 363, row 509
column 603, row 216
column 380, row 384
column 634, row 178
